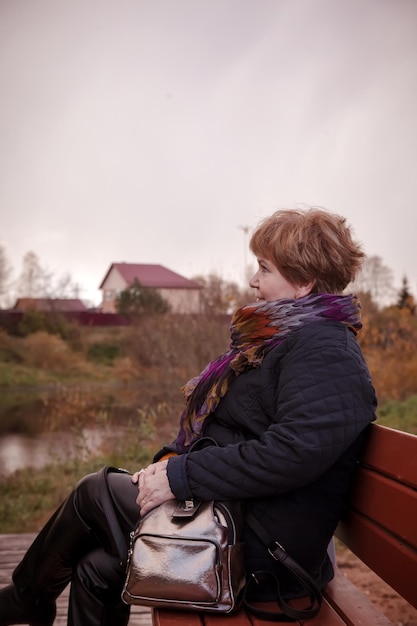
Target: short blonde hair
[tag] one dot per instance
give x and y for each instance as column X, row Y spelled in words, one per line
column 311, row 245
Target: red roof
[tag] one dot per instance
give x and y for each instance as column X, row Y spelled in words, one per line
column 156, row 276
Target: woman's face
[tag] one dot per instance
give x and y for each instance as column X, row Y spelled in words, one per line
column 271, row 285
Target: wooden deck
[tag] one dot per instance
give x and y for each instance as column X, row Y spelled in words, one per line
column 12, row 548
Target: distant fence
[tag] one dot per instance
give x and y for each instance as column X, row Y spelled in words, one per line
column 9, row 320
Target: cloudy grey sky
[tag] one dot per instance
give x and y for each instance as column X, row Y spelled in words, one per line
column 151, row 131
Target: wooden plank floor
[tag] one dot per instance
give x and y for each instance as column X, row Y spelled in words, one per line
column 12, row 548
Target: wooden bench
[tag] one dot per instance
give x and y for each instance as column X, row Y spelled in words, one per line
column 380, row 528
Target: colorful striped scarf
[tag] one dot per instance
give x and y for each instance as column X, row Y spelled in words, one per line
column 255, row 330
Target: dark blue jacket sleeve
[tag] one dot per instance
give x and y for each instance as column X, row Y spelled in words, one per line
column 177, row 477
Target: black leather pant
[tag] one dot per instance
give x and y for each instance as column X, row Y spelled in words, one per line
column 76, row 546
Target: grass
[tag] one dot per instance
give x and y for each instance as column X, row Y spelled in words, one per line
column 27, row 499
column 400, row 415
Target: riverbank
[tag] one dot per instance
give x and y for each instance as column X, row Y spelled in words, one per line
column 29, row 496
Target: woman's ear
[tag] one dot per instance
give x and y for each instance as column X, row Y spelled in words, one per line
column 304, row 290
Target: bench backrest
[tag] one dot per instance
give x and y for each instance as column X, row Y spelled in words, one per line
column 380, row 526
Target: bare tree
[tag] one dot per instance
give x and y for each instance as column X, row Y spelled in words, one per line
column 218, row 295
column 376, row 280
column 65, row 287
column 34, row 281
column 4, row 275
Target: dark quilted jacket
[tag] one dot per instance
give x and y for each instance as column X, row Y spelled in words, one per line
column 289, row 434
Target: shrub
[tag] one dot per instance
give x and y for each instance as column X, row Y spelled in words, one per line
column 10, row 348
column 187, row 342
column 104, row 353
column 137, row 300
column 49, row 352
column 33, row 321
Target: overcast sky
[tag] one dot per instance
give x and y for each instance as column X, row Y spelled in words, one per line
column 152, row 131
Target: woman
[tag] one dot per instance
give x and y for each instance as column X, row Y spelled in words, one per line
column 288, row 404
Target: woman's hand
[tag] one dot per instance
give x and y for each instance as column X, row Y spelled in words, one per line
column 153, row 486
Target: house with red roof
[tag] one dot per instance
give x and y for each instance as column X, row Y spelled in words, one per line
column 182, row 294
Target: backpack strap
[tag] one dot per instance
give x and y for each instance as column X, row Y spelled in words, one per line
column 287, row 612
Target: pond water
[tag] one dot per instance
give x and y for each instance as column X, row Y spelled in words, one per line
column 30, row 418
column 39, row 426
column 21, row 451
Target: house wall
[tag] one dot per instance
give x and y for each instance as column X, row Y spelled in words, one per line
column 112, row 287
column 182, row 300
column 179, row 300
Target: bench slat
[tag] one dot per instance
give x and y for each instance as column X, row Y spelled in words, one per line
column 343, row 605
column 390, row 503
column 391, row 559
column 326, row 617
column 165, row 617
column 351, row 604
column 392, row 452
column 237, row 619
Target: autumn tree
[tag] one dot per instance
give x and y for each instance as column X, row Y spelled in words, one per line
column 137, row 300
column 388, row 340
column 405, row 299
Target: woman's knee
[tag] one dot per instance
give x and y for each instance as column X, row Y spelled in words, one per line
column 86, row 494
column 101, row 574
column 119, row 488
